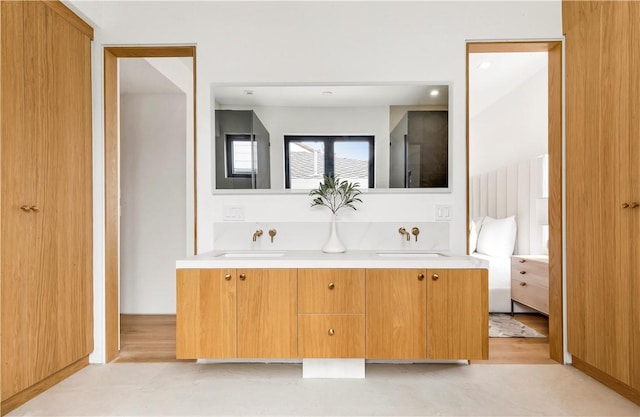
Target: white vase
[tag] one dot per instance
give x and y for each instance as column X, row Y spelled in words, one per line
column 333, row 245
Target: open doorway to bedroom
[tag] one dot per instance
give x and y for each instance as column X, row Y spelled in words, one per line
column 150, row 194
column 514, row 150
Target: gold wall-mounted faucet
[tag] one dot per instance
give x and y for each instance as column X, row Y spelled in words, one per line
column 257, row 234
column 404, row 232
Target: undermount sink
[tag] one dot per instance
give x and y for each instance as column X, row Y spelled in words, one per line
column 409, row 254
column 250, row 255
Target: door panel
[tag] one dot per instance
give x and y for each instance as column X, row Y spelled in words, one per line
column 598, row 268
column 17, row 190
column 267, row 313
column 457, row 314
column 396, row 314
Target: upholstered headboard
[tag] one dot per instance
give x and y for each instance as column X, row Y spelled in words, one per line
column 512, row 191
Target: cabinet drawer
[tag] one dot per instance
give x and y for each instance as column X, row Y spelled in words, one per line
column 531, row 271
column 331, row 291
column 331, row 335
column 530, row 294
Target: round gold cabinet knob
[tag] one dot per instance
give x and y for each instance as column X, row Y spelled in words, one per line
column 523, row 284
column 624, row 205
column 227, row 277
column 420, row 277
column 522, row 261
column 634, row 205
column 243, row 277
column 435, row 277
column 331, row 332
column 332, row 285
column 523, row 272
column 25, row 208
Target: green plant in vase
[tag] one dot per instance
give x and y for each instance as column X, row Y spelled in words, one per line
column 335, row 194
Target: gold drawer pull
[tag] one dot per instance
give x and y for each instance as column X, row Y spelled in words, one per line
column 523, row 284
column 331, row 332
column 420, row 277
column 242, row 277
column 624, row 205
column 25, row 208
column 522, row 261
column 635, row 205
column 523, row 272
column 435, row 277
column 227, row 277
column 332, row 285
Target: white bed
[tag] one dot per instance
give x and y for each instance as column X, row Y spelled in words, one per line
column 499, row 282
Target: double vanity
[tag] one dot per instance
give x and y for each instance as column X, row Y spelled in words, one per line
column 331, row 311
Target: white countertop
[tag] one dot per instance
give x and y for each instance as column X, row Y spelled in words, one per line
column 318, row 259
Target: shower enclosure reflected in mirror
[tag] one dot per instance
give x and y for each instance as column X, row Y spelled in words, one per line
column 287, row 137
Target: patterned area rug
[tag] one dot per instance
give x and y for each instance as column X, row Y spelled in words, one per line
column 503, row 325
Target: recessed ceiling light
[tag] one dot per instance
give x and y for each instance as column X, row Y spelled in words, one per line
column 248, row 92
column 485, row 65
column 434, row 93
column 327, row 93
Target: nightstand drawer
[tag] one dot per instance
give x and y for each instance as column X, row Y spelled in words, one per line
column 331, row 335
column 331, row 291
column 529, row 293
column 530, row 270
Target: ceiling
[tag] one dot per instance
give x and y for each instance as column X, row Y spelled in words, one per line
column 139, row 76
column 331, row 95
column 503, row 73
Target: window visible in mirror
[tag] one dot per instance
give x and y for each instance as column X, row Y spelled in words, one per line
column 241, row 158
column 308, row 158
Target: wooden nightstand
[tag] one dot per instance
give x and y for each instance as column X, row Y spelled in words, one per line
column 530, row 282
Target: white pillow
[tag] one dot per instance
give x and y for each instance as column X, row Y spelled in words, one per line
column 474, row 230
column 497, row 237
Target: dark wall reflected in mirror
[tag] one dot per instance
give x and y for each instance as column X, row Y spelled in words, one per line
column 406, row 126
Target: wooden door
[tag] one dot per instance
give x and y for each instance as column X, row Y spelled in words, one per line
column 17, row 188
column 58, row 111
column 396, row 314
column 599, row 226
column 634, row 13
column 267, row 313
column 206, row 313
column 457, row 314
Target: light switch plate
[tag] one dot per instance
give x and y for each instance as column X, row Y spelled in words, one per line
column 444, row 213
column 233, row 214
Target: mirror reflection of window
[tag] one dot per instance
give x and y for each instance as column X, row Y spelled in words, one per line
column 241, row 156
column 308, row 158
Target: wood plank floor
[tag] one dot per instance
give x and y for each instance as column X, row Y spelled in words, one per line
column 152, row 338
column 147, row 338
column 514, row 350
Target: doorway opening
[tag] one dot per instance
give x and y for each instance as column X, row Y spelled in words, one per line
column 150, row 192
column 514, row 190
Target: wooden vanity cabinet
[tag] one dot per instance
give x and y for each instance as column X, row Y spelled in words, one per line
column 243, row 313
column 457, row 314
column 396, row 319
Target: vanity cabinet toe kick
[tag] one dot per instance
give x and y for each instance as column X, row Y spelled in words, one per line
column 380, row 314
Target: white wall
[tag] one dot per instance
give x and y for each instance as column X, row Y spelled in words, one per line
column 512, row 129
column 332, row 42
column 153, row 192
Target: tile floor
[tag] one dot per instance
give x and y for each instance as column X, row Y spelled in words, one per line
column 190, row 389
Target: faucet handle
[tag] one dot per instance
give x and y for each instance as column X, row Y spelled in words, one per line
column 272, row 233
column 415, row 231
